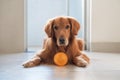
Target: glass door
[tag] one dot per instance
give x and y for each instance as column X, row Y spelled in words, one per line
column 39, row 11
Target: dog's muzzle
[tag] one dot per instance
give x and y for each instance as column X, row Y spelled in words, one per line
column 61, row 41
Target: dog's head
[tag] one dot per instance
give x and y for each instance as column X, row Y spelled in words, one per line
column 62, row 28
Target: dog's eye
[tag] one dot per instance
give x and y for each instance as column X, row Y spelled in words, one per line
column 67, row 27
column 55, row 27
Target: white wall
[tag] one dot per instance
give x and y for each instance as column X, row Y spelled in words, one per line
column 11, row 26
column 105, row 24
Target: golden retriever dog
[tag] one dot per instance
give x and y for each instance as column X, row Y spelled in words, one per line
column 61, row 33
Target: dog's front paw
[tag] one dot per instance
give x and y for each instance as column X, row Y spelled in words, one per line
column 28, row 64
column 31, row 63
column 78, row 61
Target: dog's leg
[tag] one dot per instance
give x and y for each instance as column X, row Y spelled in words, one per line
column 32, row 62
column 80, row 44
column 36, row 60
column 81, row 61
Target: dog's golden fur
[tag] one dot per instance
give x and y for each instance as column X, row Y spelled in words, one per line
column 67, row 28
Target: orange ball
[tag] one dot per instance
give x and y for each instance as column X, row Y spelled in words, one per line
column 60, row 59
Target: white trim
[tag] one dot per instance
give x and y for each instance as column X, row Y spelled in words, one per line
column 88, row 8
column 25, row 25
column 90, row 23
column 83, row 18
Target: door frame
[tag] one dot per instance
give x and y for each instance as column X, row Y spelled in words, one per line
column 87, row 24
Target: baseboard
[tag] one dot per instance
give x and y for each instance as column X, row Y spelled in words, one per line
column 105, row 47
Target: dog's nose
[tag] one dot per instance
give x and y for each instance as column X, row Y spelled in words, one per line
column 62, row 40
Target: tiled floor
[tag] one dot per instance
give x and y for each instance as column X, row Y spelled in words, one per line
column 103, row 66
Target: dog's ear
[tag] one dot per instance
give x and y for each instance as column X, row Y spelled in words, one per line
column 48, row 28
column 74, row 25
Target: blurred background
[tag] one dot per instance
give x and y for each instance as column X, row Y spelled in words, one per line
column 22, row 23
